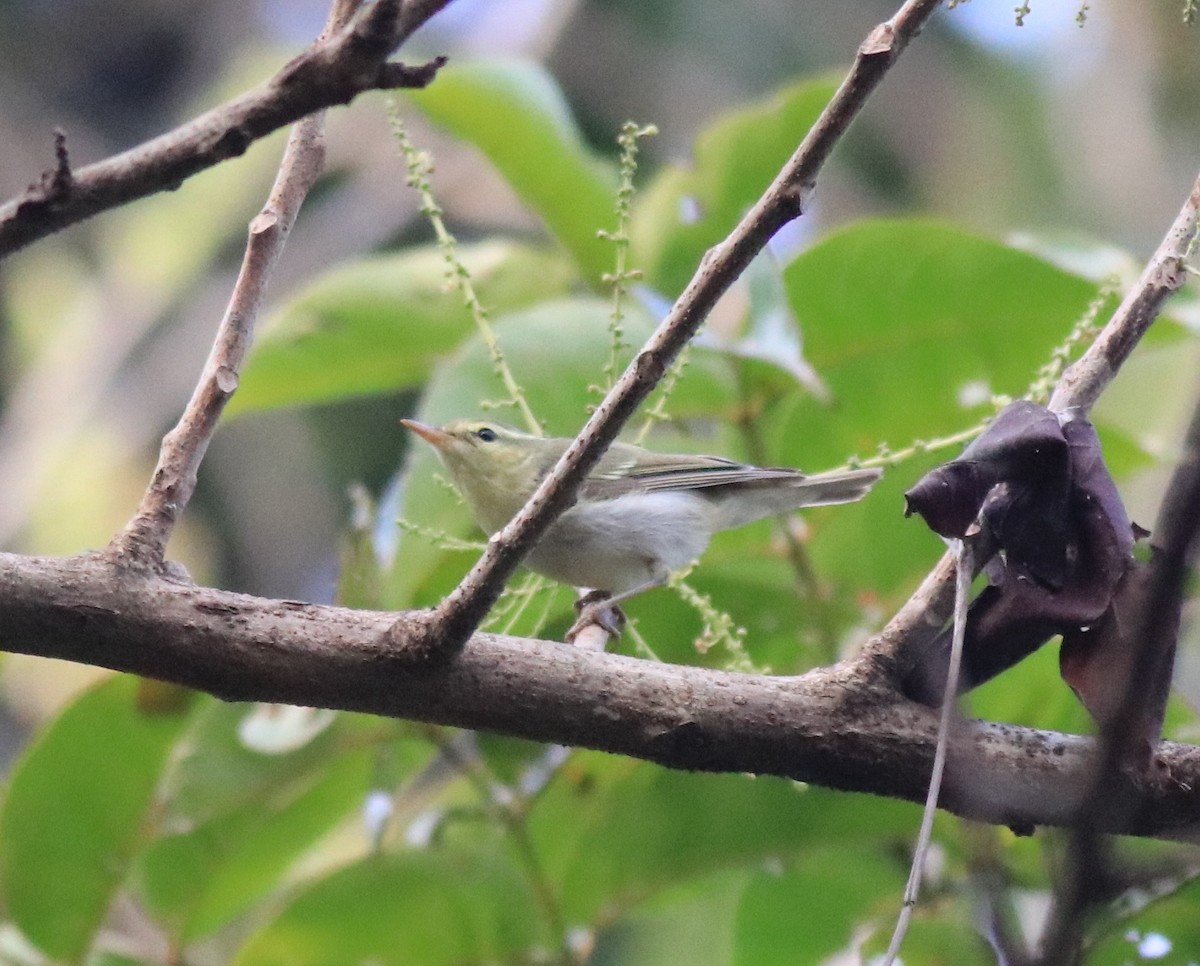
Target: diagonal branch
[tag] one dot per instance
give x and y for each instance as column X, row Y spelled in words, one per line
column 460, row 613
column 1082, row 384
column 142, row 543
column 915, row 625
column 334, row 70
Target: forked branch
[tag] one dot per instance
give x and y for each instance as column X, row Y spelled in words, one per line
column 334, row 70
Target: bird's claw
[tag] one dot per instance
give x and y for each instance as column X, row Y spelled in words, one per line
column 594, row 610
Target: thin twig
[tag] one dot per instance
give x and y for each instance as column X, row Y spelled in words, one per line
column 452, row 622
column 142, row 543
column 337, row 68
column 1082, row 384
column 915, row 625
column 964, row 572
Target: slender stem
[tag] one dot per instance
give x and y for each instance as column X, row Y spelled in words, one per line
column 142, row 543
column 964, row 571
column 452, row 622
column 621, row 275
column 420, row 172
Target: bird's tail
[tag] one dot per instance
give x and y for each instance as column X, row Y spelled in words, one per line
column 836, row 486
column 772, row 496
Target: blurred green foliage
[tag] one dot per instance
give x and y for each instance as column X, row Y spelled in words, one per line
column 883, row 333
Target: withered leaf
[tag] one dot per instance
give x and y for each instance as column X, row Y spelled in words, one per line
column 1036, row 488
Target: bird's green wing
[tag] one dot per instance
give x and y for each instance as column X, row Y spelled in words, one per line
column 630, row 469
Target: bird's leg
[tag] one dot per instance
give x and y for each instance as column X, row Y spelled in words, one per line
column 600, row 608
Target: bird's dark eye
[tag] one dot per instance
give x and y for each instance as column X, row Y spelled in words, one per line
column 487, row 434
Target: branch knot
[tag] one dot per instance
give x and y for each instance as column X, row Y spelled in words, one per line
column 880, row 41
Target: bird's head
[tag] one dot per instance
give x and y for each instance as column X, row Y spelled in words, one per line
column 496, row 468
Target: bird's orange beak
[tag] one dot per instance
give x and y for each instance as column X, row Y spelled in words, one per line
column 431, row 434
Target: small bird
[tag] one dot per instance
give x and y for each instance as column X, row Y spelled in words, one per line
column 638, row 517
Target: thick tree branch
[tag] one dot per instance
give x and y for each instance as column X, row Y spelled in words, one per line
column 460, row 613
column 832, row 726
column 844, row 727
column 334, row 70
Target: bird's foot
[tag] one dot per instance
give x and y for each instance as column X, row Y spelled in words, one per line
column 595, row 610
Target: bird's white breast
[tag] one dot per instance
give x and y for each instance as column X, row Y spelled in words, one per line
column 618, row 544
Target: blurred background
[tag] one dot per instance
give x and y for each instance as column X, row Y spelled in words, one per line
column 1071, row 134
column 103, row 328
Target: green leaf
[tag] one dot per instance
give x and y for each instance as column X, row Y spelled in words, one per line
column 1080, row 254
column 816, row 904
column 693, row 923
column 1152, row 401
column 414, row 909
column 736, row 158
column 915, row 312
column 380, row 324
column 218, row 774
column 243, row 820
column 515, row 113
column 621, row 831
column 73, row 819
column 201, row 879
column 770, row 338
column 903, row 321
